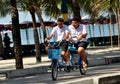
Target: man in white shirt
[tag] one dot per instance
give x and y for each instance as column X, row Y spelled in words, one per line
column 78, row 36
column 60, row 32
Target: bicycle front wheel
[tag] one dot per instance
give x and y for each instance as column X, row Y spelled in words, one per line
column 54, row 69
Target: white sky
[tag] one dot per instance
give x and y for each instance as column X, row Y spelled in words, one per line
column 23, row 16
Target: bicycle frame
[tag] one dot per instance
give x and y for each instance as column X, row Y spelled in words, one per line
column 73, row 49
column 55, row 54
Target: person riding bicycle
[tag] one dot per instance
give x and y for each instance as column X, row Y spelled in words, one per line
column 60, row 33
column 78, row 36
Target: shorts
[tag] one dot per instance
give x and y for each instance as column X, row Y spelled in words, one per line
column 64, row 46
column 83, row 44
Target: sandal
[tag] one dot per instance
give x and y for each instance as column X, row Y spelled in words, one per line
column 84, row 65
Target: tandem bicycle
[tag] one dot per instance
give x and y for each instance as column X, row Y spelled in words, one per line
column 57, row 64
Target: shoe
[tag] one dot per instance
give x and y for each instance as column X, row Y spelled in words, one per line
column 84, row 65
column 68, row 66
column 68, row 63
column 67, row 69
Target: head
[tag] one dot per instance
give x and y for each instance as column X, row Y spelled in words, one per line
column 60, row 22
column 6, row 34
column 75, row 22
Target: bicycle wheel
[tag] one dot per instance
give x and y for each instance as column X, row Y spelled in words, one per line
column 54, row 69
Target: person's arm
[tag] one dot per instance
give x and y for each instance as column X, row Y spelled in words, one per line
column 66, row 36
column 70, row 36
column 81, row 36
column 49, row 37
column 67, row 33
column 84, row 33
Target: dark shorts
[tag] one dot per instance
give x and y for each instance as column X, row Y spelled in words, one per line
column 64, row 46
column 81, row 44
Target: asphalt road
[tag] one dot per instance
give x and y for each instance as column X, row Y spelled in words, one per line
column 63, row 77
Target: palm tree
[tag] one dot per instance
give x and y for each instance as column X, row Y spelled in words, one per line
column 118, row 17
column 114, row 7
column 31, row 7
column 4, row 8
column 36, row 38
column 52, row 8
column 76, row 9
column 16, row 35
column 1, row 47
column 39, row 14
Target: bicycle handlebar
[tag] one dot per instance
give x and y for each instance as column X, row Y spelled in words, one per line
column 54, row 45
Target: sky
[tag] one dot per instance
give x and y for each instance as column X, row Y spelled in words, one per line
column 23, row 16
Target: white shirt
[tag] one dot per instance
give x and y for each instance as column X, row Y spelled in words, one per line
column 76, row 32
column 58, row 33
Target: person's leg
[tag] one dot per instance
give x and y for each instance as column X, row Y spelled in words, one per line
column 48, row 47
column 66, row 56
column 65, row 53
column 81, row 51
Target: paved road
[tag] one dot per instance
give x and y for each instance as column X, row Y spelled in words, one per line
column 64, row 77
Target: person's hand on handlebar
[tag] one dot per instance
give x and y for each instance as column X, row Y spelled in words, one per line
column 70, row 38
column 46, row 39
column 63, row 40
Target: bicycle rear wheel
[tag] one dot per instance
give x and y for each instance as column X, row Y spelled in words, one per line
column 54, row 69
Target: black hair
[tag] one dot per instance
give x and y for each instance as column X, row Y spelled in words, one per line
column 76, row 19
column 60, row 20
column 6, row 34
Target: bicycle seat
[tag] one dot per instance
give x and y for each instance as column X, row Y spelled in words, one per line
column 72, row 48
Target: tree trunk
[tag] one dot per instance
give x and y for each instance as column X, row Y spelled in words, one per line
column 118, row 20
column 111, row 29
column 36, row 37
column 38, row 12
column 16, row 35
column 76, row 9
column 64, row 11
column 1, row 47
column 100, row 30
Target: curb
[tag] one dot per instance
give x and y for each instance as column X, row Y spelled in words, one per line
column 26, row 72
column 109, row 79
column 102, row 79
column 44, row 69
column 104, row 61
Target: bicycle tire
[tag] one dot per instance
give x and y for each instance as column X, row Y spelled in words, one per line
column 54, row 69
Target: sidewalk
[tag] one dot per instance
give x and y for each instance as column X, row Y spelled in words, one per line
column 96, row 56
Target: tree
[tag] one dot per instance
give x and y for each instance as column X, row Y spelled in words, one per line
column 4, row 8
column 76, row 9
column 36, row 38
column 53, row 8
column 39, row 14
column 30, row 5
column 114, row 7
column 1, row 47
column 16, row 35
